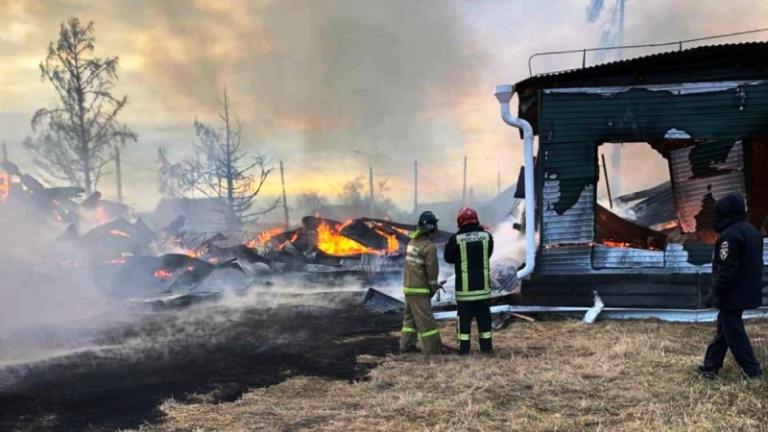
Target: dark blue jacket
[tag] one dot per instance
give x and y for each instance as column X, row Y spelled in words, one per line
column 737, row 267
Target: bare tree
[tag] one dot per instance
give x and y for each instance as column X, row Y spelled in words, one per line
column 171, row 178
column 310, row 203
column 222, row 169
column 75, row 140
column 353, row 195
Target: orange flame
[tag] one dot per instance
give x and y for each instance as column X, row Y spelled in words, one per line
column 287, row 242
column 101, row 216
column 402, row 231
column 190, row 253
column 162, row 274
column 118, row 233
column 264, row 237
column 5, row 186
column 708, row 236
column 332, row 242
column 612, row 243
column 393, row 245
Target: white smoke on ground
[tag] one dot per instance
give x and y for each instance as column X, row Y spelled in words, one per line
column 135, row 329
column 44, row 281
column 508, row 256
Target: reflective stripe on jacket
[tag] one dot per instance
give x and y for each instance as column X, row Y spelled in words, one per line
column 470, row 251
column 421, row 267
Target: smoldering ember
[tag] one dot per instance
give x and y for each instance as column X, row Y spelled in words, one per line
column 285, row 215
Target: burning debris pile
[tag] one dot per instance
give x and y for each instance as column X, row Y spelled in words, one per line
column 372, row 243
column 171, row 266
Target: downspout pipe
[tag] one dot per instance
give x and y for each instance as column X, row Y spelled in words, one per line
column 504, row 95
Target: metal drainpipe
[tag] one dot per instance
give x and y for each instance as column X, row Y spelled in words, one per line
column 504, row 95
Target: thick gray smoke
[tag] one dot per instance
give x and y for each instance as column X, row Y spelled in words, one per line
column 362, row 74
column 40, row 283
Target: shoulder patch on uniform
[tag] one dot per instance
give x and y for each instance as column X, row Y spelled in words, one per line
column 724, row 251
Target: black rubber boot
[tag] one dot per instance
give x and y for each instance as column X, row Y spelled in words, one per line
column 706, row 373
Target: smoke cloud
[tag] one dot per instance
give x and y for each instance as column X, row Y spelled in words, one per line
column 343, row 75
column 314, row 80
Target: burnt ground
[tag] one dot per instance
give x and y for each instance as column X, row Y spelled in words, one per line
column 209, row 352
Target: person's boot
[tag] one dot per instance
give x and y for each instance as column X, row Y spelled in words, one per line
column 446, row 350
column 432, row 344
column 408, row 343
column 463, row 348
column 757, row 375
column 706, row 373
column 486, row 347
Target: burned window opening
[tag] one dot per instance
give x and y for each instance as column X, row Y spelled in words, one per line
column 756, row 165
column 632, row 207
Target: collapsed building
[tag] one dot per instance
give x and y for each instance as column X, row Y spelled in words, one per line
column 704, row 112
column 176, row 265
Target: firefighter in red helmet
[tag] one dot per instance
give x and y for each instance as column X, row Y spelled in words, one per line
column 470, row 250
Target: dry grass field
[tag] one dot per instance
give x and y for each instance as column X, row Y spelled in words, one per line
column 546, row 376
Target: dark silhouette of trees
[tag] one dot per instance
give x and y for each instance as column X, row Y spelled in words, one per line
column 222, row 169
column 74, row 140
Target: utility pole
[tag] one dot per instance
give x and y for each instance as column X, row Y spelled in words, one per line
column 370, row 185
column 464, row 186
column 119, row 173
column 415, row 187
column 285, row 201
column 498, row 174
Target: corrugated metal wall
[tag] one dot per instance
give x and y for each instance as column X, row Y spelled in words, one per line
column 692, row 191
column 572, row 122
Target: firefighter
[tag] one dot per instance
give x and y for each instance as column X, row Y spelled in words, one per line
column 737, row 271
column 419, row 284
column 469, row 250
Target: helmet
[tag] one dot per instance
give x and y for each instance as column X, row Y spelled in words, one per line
column 427, row 221
column 466, row 216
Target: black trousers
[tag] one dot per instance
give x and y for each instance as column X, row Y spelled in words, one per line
column 731, row 335
column 467, row 311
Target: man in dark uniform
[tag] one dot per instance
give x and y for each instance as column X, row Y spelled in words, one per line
column 737, row 271
column 469, row 250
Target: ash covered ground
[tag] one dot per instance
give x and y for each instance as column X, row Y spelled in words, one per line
column 114, row 371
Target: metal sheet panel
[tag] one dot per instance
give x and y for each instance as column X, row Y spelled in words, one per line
column 765, row 251
column 607, row 257
column 576, row 225
column 677, row 261
column 565, row 260
column 692, row 189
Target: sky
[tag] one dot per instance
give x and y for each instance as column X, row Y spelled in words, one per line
column 324, row 85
